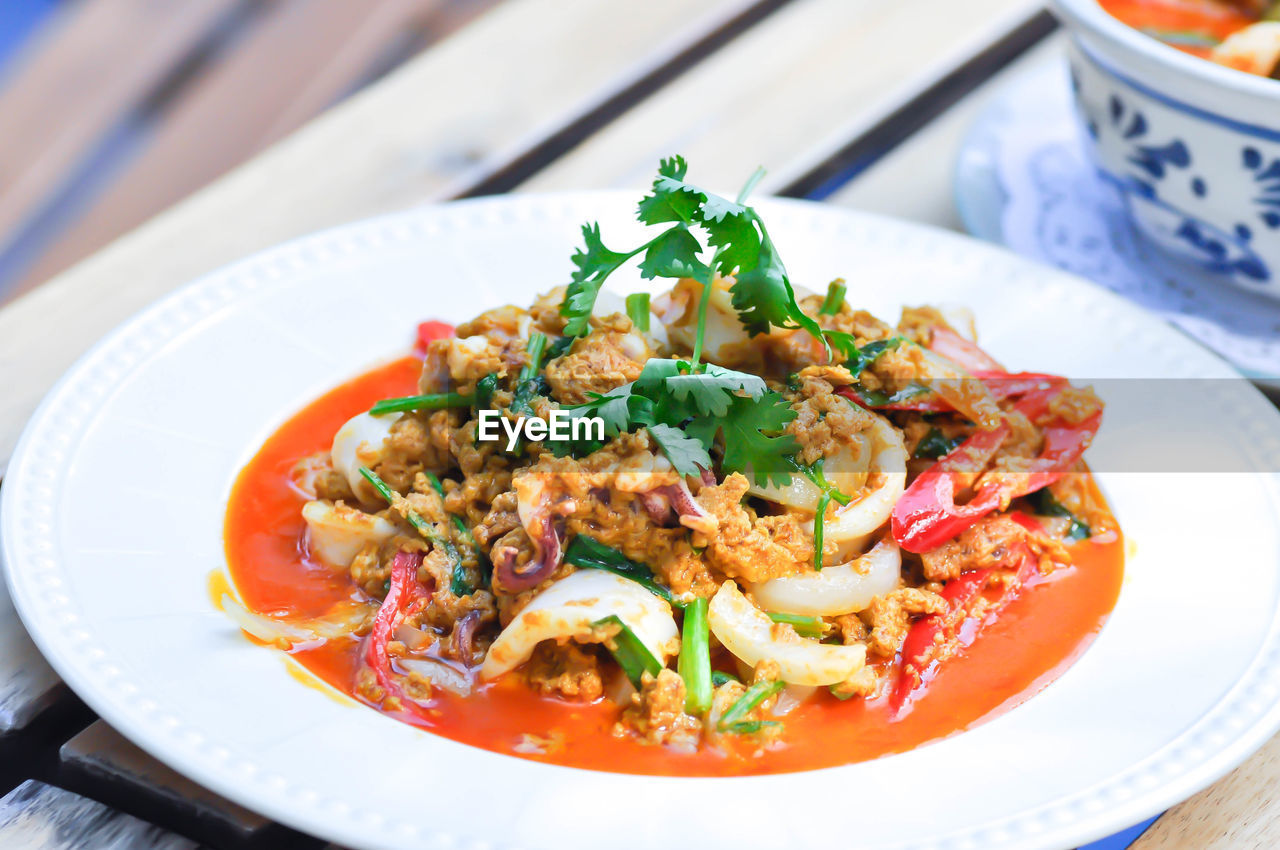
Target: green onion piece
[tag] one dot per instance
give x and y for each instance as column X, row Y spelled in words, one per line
column 935, row 444
column 756, row 694
column 839, row 694
column 537, row 342
column 817, row 476
column 748, row 727
column 632, row 655
column 434, row 401
column 435, row 482
column 1043, row 503
column 812, row 627
column 459, row 583
column 835, row 298
column 719, row 677
column 485, row 388
column 638, row 311
column 818, row 520
column 695, row 658
column 419, row 524
column 586, row 552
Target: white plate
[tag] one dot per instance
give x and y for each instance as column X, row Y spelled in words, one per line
column 112, row 521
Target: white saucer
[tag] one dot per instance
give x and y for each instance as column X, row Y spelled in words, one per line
column 1023, row 180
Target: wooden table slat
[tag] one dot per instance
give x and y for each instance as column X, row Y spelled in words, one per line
column 103, row 755
column 27, row 683
column 789, row 94
column 916, row 180
column 416, row 136
column 36, row 816
column 1240, row 811
column 139, row 40
column 298, row 60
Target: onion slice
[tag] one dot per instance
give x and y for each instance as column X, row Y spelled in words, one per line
column 567, row 609
column 752, row 637
column 840, row 589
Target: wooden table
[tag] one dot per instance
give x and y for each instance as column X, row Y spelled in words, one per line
column 859, row 102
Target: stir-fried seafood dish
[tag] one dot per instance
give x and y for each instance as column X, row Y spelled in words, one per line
column 1240, row 34
column 727, row 528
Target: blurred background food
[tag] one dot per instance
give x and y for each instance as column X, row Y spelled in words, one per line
column 1240, row 34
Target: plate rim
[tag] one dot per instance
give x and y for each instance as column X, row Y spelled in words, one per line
column 1085, row 826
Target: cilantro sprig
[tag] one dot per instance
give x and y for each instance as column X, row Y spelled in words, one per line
column 696, row 221
column 685, row 412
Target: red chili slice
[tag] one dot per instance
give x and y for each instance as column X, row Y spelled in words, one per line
column 962, row 352
column 937, row 637
column 403, row 594
column 927, row 516
column 429, row 332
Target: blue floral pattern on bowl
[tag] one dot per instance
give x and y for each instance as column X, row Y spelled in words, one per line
column 1202, row 186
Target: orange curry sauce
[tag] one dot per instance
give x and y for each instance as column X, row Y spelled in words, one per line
column 1034, row 640
column 1179, row 23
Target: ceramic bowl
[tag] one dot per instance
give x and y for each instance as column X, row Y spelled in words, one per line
column 1194, row 146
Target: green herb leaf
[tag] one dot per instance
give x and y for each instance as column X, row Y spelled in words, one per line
column 712, row 391
column 1044, row 504
column 695, row 658
column 879, row 398
column 754, row 441
column 671, row 199
column 559, row 348
column 862, row 359
column 736, row 240
column 588, row 553
column 935, row 444
column 632, row 655
column 674, row 254
column 719, row 677
column 485, row 388
column 687, row 454
column 594, row 263
column 614, row 407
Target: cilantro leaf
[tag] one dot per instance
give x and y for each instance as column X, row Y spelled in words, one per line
column 749, row 447
column 687, row 454
column 731, row 231
column 655, row 373
column 674, row 254
column 704, row 430
column 594, row 263
column 671, row 199
column 844, row 344
column 712, row 391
